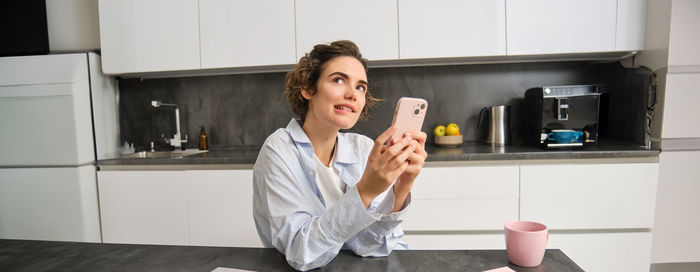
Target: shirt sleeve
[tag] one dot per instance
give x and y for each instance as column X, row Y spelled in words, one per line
column 384, row 235
column 307, row 241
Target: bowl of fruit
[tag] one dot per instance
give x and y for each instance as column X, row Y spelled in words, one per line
column 448, row 136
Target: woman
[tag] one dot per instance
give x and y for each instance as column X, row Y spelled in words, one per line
column 317, row 190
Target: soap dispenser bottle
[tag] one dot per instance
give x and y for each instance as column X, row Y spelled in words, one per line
column 203, row 145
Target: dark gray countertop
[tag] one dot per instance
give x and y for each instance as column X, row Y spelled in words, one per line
column 482, row 152
column 35, row 256
column 464, row 152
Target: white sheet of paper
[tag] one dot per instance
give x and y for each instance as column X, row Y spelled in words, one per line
column 500, row 269
column 224, row 269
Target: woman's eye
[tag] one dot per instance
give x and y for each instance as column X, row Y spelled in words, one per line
column 362, row 88
column 339, row 80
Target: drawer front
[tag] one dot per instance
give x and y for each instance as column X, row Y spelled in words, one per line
column 464, row 198
column 455, row 241
column 604, row 196
column 461, row 214
column 144, row 207
column 467, row 182
column 624, row 251
column 220, row 208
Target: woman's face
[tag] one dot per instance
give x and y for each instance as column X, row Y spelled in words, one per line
column 340, row 93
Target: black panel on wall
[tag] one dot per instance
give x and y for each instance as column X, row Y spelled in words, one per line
column 23, row 28
column 242, row 110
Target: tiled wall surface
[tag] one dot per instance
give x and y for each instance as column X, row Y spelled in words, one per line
column 242, row 110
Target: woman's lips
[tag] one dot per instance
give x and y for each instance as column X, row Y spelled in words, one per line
column 344, row 108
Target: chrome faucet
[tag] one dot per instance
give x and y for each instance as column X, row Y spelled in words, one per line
column 177, row 140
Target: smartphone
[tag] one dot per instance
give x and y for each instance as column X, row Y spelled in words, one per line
column 409, row 115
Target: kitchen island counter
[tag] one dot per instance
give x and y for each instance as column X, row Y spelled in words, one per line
column 22, row 255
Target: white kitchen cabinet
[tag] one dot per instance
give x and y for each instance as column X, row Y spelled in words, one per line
column 221, row 208
column 440, row 29
column 605, row 252
column 197, row 207
column 683, row 40
column 463, row 198
column 677, row 226
column 143, row 207
column 246, row 33
column 681, row 116
column 631, row 21
column 57, row 204
column 555, row 26
column 600, row 215
column 600, row 196
column 372, row 25
column 462, row 207
column 455, row 240
column 149, row 36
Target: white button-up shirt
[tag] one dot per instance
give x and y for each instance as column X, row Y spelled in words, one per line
column 289, row 209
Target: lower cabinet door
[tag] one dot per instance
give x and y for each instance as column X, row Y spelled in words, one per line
column 55, row 204
column 601, row 252
column 203, row 207
column 463, row 198
column 143, row 207
column 589, row 196
column 221, row 208
column 454, row 241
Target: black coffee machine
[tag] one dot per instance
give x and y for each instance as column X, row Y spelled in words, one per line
column 563, row 116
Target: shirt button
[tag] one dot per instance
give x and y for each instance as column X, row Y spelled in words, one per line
column 311, row 173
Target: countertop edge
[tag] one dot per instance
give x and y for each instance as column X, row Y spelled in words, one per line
column 447, row 163
column 173, row 167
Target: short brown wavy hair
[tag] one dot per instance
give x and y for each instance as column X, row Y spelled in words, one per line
column 307, row 72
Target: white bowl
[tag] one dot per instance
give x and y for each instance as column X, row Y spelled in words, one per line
column 449, row 140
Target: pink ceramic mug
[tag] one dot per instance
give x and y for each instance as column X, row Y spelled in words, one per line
column 526, row 242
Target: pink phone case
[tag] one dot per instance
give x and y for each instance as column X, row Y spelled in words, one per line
column 409, row 115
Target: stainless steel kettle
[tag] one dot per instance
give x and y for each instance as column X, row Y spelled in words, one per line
column 499, row 124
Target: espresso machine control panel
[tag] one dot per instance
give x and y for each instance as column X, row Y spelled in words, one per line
column 573, row 90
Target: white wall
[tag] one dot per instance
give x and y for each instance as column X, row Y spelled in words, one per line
column 72, row 25
column 671, row 50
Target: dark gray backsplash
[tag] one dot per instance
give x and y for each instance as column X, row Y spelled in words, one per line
column 242, row 110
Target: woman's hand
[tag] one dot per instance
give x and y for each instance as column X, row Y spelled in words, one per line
column 384, row 165
column 416, row 160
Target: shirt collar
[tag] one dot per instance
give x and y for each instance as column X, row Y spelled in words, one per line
column 298, row 134
column 347, row 152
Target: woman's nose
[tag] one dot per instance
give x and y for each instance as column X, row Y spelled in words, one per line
column 350, row 93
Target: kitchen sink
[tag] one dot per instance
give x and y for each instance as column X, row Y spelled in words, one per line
column 162, row 154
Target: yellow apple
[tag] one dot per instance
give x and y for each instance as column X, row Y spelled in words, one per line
column 439, row 130
column 452, row 130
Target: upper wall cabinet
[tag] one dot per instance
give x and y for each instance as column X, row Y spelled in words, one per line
column 683, row 39
column 439, row 29
column 181, row 37
column 631, row 23
column 556, row 26
column 372, row 25
column 147, row 36
column 246, row 33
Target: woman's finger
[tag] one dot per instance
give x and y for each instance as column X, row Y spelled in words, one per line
column 395, row 149
column 416, row 158
column 399, row 170
column 419, row 147
column 401, row 157
column 379, row 142
column 418, row 135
